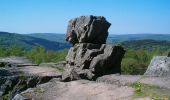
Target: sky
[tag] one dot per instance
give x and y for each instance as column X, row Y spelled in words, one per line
column 52, row 16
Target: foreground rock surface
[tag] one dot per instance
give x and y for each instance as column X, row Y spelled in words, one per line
column 159, row 66
column 18, row 73
column 78, row 90
column 124, row 80
column 108, row 87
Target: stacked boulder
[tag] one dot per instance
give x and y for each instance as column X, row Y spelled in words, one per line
column 90, row 57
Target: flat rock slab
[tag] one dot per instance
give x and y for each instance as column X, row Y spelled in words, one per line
column 162, row 82
column 39, row 70
column 30, row 71
column 17, row 60
column 123, row 80
column 117, row 79
column 25, row 67
column 78, row 90
column 108, row 87
column 18, row 73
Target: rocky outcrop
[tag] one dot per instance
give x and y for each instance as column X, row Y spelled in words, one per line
column 16, row 75
column 107, row 87
column 88, row 29
column 76, row 90
column 159, row 66
column 89, row 57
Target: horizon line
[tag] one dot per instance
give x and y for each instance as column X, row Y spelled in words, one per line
column 65, row 33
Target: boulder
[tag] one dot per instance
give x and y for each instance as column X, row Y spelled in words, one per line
column 88, row 29
column 90, row 57
column 89, row 61
column 159, row 66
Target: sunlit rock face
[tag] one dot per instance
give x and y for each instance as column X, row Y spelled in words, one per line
column 159, row 66
column 88, row 29
column 90, row 57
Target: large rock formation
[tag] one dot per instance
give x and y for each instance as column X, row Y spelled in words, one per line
column 88, row 29
column 159, row 66
column 90, row 57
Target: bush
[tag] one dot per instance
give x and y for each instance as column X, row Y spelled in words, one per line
column 40, row 54
column 136, row 61
column 12, row 50
column 37, row 54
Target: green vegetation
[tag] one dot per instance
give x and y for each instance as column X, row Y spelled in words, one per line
column 27, row 42
column 136, row 61
column 38, row 54
column 6, row 96
column 156, row 93
column 146, row 44
column 12, row 50
column 139, row 54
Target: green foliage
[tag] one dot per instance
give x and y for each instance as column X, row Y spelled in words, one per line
column 4, row 52
column 40, row 54
column 60, row 55
column 136, row 61
column 156, row 93
column 138, row 87
column 12, row 50
column 140, row 52
column 37, row 54
column 146, row 44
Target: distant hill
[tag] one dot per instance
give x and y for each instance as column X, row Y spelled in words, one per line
column 54, row 41
column 49, row 36
column 27, row 42
column 147, row 44
column 111, row 38
column 126, row 37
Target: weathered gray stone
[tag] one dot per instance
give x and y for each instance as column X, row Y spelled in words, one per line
column 90, row 57
column 88, row 29
column 15, row 79
column 89, row 61
column 159, row 66
column 78, row 90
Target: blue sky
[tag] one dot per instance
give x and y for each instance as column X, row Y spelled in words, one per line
column 52, row 16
